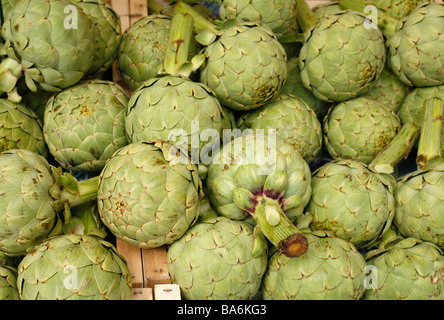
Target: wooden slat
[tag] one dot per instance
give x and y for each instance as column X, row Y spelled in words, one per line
column 133, row 257
column 142, row 294
column 155, row 267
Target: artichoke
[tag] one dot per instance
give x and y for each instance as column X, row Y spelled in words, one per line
column 8, row 284
column 264, row 177
column 245, row 67
column 108, row 34
column 351, row 202
column 341, row 57
column 74, row 267
column 405, row 269
column 415, row 50
column 218, row 259
column 331, row 269
column 147, row 195
column 46, row 45
column 419, row 195
column 278, row 15
column 84, row 125
column 358, row 129
column 295, row 121
column 176, row 109
column 294, row 87
column 34, row 195
column 20, row 128
column 412, row 108
column 142, row 51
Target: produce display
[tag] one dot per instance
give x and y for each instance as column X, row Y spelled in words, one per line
column 274, row 149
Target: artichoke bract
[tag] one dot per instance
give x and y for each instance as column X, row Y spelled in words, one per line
column 84, row 125
column 331, row 269
column 142, row 50
column 341, row 57
column 359, row 129
column 351, row 202
column 278, row 15
column 33, row 197
column 147, row 195
column 74, row 267
column 218, row 259
column 405, row 269
column 261, row 176
column 8, row 284
column 108, row 34
column 416, row 49
column 324, row 9
column 412, row 108
column 20, row 128
column 294, row 87
column 51, row 48
column 294, row 121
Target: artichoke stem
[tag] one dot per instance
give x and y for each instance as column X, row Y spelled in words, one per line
column 200, row 23
column 83, row 192
column 398, row 149
column 284, row 235
column 429, row 147
column 384, row 21
column 179, row 43
column 305, row 15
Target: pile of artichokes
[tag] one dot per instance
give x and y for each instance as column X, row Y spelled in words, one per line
column 277, row 151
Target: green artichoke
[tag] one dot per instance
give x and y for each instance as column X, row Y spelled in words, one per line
column 74, row 267
column 294, row 122
column 108, row 34
column 388, row 90
column 351, row 202
column 218, row 259
column 33, row 197
column 341, row 58
column 46, row 45
column 261, row 176
column 405, row 269
column 84, row 125
column 8, row 284
column 415, row 50
column 245, row 67
column 412, row 108
column 358, row 129
column 20, row 128
column 278, row 15
column 294, row 87
column 142, row 51
column 331, row 269
column 147, row 196
column 176, row 109
column 398, row 9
